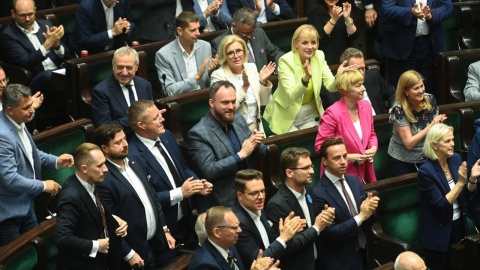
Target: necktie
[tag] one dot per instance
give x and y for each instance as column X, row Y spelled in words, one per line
column 231, row 262
column 250, row 57
column 173, row 170
column 131, row 96
column 361, row 236
column 101, row 210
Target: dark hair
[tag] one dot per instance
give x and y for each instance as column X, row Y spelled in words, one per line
column 136, row 112
column 245, row 16
column 13, row 94
column 290, row 157
column 106, row 132
column 243, row 176
column 349, row 53
column 214, row 87
column 327, row 143
column 185, row 18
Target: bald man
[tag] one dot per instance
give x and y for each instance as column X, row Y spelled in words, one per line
column 409, row 261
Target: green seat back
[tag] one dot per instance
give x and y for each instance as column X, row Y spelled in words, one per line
column 451, row 30
column 98, row 72
column 282, row 38
column 136, row 8
column 399, row 213
column 25, row 260
column 52, row 251
column 381, row 161
column 152, row 71
column 454, row 120
column 192, row 112
column 476, row 27
column 67, row 20
column 66, row 143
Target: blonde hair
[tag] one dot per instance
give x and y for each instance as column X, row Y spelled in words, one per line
column 308, row 30
column 434, row 135
column 407, row 81
column 227, row 41
column 345, row 81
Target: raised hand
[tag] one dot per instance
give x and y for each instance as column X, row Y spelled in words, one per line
column 266, row 71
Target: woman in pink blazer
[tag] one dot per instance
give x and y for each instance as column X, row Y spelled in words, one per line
column 351, row 119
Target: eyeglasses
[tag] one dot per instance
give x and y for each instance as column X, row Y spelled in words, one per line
column 238, row 53
column 4, row 80
column 256, row 194
column 229, row 227
column 306, row 168
column 25, row 15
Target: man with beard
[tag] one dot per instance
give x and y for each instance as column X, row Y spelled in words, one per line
column 221, row 144
column 172, row 180
column 21, row 165
column 127, row 194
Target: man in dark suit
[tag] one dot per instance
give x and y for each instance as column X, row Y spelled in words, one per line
column 218, row 251
column 266, row 10
column 257, row 233
column 22, row 165
column 244, row 25
column 172, row 180
column 33, row 45
column 161, row 14
column 101, row 25
column 296, row 196
column 87, row 235
column 112, row 96
column 343, row 242
column 221, row 144
column 380, row 94
column 127, row 194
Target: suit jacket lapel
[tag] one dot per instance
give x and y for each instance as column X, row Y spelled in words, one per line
column 349, row 127
column 120, row 178
column 264, row 220
column 117, row 92
column 216, row 254
column 332, row 191
column 441, row 176
column 17, row 139
column 23, row 38
column 88, row 201
column 178, row 58
column 217, row 130
column 292, row 201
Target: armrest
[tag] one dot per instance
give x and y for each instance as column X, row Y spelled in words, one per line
column 466, row 38
column 17, row 74
column 385, row 247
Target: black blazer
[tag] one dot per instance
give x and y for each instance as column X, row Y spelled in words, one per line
column 78, row 223
column 208, row 257
column 299, row 253
column 122, row 200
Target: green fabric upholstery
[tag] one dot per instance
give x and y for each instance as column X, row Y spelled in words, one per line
column 453, row 119
column 381, row 162
column 64, row 144
column 98, row 72
column 152, row 72
column 25, row 260
column 52, row 251
column 399, row 213
column 282, row 38
column 136, row 7
column 451, row 30
column 192, row 112
column 67, row 20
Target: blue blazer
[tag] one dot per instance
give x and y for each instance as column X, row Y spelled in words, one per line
column 208, row 257
column 286, row 12
column 222, row 21
column 18, row 180
column 122, row 200
column 159, row 180
column 78, row 223
column 299, row 253
column 109, row 104
column 400, row 25
column 18, row 50
column 340, row 239
column 90, row 30
column 250, row 241
column 435, row 224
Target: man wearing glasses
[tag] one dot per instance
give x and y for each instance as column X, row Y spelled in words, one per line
column 261, row 50
column 296, row 196
column 257, row 233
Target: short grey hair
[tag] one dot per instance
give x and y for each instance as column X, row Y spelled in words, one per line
column 245, row 16
column 13, row 94
column 122, row 51
column 434, row 135
column 200, row 228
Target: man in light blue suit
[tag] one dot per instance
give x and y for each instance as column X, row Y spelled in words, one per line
column 21, row 165
column 185, row 64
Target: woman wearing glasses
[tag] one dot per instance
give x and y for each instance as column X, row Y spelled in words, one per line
column 296, row 103
column 351, row 119
column 444, row 191
column 253, row 88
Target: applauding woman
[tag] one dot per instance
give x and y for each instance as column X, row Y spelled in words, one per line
column 442, row 179
column 296, row 103
column 253, row 87
column 351, row 119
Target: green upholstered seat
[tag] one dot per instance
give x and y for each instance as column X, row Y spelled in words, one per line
column 192, row 112
column 455, row 121
column 381, row 162
column 451, row 30
column 51, row 251
column 25, row 260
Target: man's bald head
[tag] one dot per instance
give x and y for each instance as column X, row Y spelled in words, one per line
column 409, row 261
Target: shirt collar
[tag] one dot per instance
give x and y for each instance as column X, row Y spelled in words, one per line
column 26, row 32
column 17, row 126
column 125, row 162
column 220, row 249
column 88, row 187
column 297, row 194
column 252, row 214
column 332, row 177
column 148, row 143
column 132, row 83
column 105, row 7
column 183, row 49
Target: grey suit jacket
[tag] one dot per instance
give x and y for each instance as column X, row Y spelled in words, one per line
column 18, row 177
column 212, row 154
column 472, row 87
column 264, row 51
column 169, row 61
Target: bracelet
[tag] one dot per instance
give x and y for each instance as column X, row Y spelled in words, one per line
column 473, row 183
column 266, row 83
column 350, row 23
column 331, row 23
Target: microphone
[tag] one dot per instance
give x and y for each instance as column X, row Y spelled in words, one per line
column 164, row 77
column 124, row 30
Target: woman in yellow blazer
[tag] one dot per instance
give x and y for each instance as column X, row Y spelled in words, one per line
column 253, row 88
column 296, row 103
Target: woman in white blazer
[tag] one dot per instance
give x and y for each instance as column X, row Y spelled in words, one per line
column 253, row 88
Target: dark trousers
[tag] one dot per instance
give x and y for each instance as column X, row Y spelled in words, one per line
column 422, row 59
column 12, row 228
column 398, row 167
